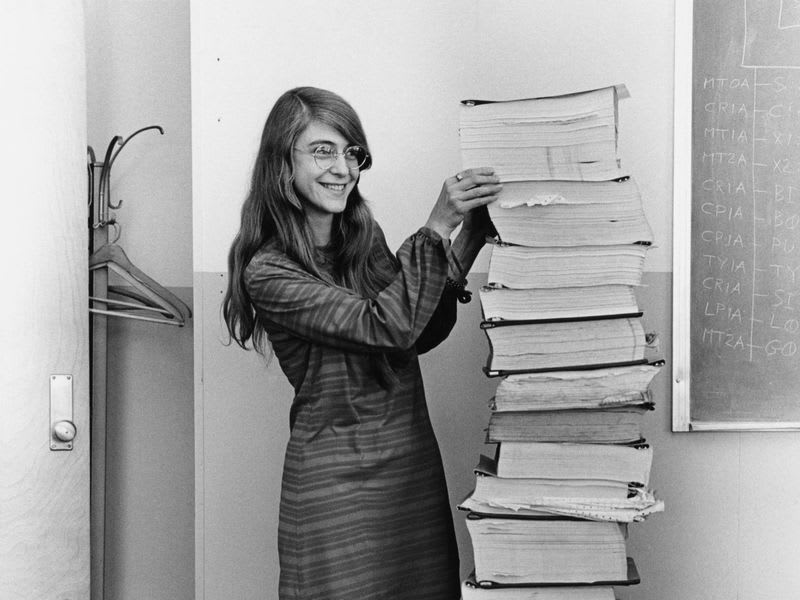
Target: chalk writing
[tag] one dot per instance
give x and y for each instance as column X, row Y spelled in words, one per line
column 745, row 207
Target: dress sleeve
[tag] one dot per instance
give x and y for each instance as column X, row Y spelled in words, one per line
column 288, row 297
column 440, row 325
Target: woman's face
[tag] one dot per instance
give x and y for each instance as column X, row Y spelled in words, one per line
column 324, row 192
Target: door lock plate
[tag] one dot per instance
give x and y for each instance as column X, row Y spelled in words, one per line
column 62, row 428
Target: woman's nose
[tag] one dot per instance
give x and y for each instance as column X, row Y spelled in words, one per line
column 339, row 165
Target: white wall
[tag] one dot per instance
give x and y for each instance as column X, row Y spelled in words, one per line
column 44, row 494
column 404, row 68
column 138, row 71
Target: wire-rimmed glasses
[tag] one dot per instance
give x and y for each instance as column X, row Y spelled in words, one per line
column 326, row 156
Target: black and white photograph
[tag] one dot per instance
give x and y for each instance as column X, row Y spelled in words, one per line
column 364, row 300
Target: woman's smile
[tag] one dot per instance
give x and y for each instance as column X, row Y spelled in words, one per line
column 335, row 187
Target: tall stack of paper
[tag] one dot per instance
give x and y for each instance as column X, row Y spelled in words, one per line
column 571, row 467
column 571, row 137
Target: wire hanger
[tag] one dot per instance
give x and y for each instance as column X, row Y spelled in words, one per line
column 142, row 293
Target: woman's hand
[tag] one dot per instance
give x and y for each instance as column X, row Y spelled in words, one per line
column 465, row 192
column 478, row 222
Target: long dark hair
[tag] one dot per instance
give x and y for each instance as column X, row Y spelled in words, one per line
column 272, row 211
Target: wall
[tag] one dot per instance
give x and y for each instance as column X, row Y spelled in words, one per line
column 404, row 68
column 138, row 75
column 138, row 64
column 44, row 494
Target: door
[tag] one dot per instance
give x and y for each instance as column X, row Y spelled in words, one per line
column 44, row 480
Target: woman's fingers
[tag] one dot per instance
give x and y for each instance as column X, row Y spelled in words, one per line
column 471, row 178
column 468, row 205
column 475, row 171
column 488, row 189
column 475, row 183
column 482, row 193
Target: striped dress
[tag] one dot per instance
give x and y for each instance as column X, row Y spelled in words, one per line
column 364, row 509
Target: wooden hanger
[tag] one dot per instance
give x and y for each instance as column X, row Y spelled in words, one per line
column 150, row 295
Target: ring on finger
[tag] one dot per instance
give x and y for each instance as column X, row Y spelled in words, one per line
column 459, row 176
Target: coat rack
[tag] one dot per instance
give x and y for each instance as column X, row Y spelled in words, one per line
column 149, row 297
column 140, row 298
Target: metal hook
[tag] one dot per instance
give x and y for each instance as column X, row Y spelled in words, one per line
column 105, row 176
column 130, row 137
column 117, row 230
column 90, row 162
column 111, row 156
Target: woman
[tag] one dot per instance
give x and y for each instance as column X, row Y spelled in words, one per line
column 364, row 507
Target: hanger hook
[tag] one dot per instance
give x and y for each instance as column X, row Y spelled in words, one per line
column 90, row 161
column 117, row 230
column 105, row 176
column 111, row 156
column 129, row 138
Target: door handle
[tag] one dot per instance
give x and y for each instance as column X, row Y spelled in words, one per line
column 62, row 429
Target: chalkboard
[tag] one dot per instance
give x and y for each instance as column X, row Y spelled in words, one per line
column 737, row 320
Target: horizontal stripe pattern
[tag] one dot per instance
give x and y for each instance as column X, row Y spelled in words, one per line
column 364, row 505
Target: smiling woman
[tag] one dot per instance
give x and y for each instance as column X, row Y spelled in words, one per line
column 324, row 177
column 311, row 277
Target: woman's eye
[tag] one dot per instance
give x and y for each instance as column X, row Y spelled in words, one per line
column 324, row 151
column 354, row 153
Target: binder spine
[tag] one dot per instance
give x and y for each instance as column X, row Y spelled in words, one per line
column 501, row 373
column 500, row 322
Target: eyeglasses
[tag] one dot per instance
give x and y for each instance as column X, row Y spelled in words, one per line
column 325, row 157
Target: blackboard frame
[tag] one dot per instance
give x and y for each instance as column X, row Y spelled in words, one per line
column 682, row 242
column 681, row 215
